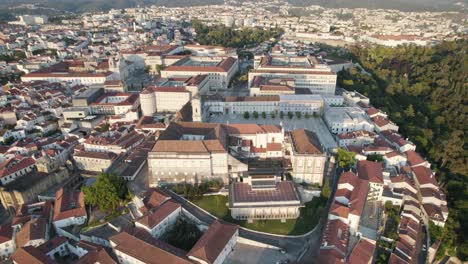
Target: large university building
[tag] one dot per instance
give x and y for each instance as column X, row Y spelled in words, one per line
column 307, row 157
column 301, row 72
column 220, row 70
column 189, row 152
column 305, row 104
column 171, row 94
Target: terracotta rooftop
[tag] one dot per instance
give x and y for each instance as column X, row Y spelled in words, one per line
column 68, row 203
column 30, row 255
column 158, row 214
column 370, row 171
column 414, row 159
column 213, row 241
column 28, row 211
column 242, row 129
column 6, row 233
column 305, row 142
column 424, row 176
column 32, row 230
column 363, row 252
column 144, row 250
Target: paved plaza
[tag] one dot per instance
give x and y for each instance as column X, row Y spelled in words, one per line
column 245, row 254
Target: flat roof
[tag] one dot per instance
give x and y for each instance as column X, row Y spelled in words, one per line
column 243, row 193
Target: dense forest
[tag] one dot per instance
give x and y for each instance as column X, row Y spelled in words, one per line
column 228, row 37
column 424, row 90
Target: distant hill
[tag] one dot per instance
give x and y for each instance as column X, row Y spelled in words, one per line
column 79, row 6
column 403, row 5
column 105, row 5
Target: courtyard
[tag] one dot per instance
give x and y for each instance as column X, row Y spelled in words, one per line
column 310, row 216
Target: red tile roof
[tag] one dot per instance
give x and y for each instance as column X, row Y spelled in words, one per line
column 157, row 215
column 336, row 235
column 424, row 176
column 6, row 233
column 69, row 203
column 363, row 252
column 144, row 250
column 243, row 129
column 305, row 142
column 32, row 230
column 414, row 159
column 13, row 165
column 30, row 255
column 213, row 241
column 154, row 198
column 370, row 171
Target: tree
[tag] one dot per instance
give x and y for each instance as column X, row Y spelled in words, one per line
column 307, row 115
column 147, row 68
column 345, row 158
column 281, row 114
column 182, row 235
column 159, row 68
column 264, row 115
column 409, row 112
column 8, row 140
column 424, row 92
column 298, row 115
column 388, row 206
column 255, row 114
column 375, row 157
column 246, row 115
column 435, row 232
column 107, row 192
column 325, row 190
column 273, row 115
column 290, row 115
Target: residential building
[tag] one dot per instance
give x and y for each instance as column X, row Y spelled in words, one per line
column 216, row 244
column 7, row 242
column 69, row 208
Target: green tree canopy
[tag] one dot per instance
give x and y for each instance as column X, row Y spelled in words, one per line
column 107, row 192
column 345, row 159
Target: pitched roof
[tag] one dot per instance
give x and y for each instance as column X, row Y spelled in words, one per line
column 154, row 198
column 370, row 170
column 96, row 254
column 213, row 241
column 31, row 230
column 424, row 176
column 414, row 159
column 158, row 214
column 252, row 129
column 336, row 234
column 69, row 203
column 144, row 250
column 30, row 255
column 363, row 252
column 305, row 142
column 6, row 233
